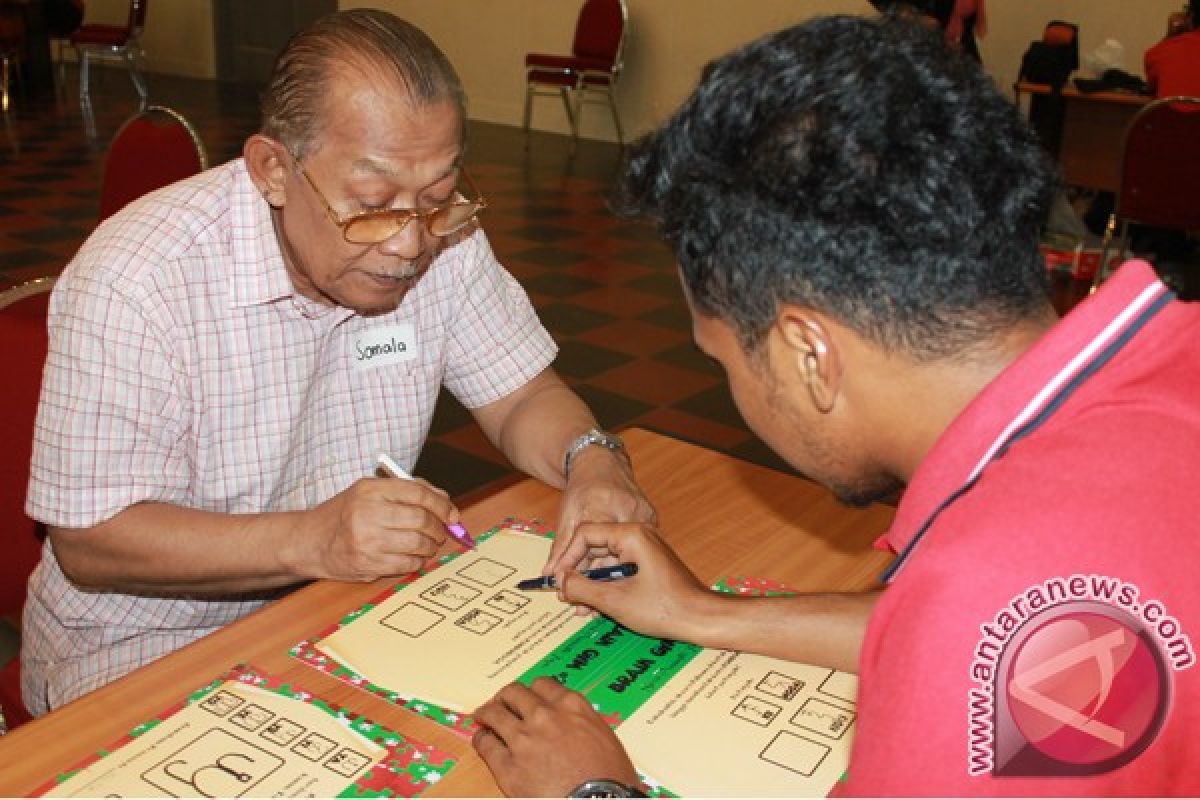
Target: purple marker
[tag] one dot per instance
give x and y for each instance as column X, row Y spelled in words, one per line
column 456, row 530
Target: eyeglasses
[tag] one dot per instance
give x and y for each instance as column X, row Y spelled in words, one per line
column 375, row 226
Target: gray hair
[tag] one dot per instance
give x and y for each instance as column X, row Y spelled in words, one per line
column 293, row 102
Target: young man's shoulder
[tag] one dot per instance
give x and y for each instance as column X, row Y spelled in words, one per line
column 980, row 649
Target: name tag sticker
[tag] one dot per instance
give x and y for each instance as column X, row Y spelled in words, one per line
column 384, row 346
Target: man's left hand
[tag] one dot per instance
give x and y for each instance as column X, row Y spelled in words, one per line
column 545, row 740
column 601, row 488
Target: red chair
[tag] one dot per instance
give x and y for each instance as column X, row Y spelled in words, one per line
column 590, row 73
column 114, row 41
column 23, row 331
column 1160, row 173
column 153, row 148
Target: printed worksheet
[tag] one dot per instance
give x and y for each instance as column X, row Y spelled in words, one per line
column 457, row 635
column 770, row 727
column 249, row 735
column 696, row 722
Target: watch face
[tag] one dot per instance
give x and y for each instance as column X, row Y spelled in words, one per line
column 604, row 788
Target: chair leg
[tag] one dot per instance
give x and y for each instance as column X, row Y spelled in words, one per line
column 139, row 83
column 572, row 112
column 528, row 115
column 81, row 53
column 612, row 104
column 1102, row 270
column 1125, row 242
column 4, row 81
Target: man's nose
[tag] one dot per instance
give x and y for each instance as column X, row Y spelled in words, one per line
column 408, row 243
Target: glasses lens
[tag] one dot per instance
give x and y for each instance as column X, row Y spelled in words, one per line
column 452, row 219
column 375, row 228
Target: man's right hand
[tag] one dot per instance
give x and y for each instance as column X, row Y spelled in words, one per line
column 375, row 528
column 663, row 599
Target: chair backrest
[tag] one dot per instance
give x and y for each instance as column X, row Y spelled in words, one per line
column 23, row 332
column 600, row 31
column 12, row 30
column 137, row 15
column 153, row 149
column 1160, row 166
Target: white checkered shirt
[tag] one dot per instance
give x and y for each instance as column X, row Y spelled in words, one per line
column 184, row 369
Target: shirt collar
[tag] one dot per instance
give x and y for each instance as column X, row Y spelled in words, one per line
column 258, row 274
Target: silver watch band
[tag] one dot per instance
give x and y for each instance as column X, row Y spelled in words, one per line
column 604, row 787
column 592, row 437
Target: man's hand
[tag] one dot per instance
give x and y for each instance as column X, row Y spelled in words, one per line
column 663, row 599
column 377, row 527
column 601, row 488
column 545, row 740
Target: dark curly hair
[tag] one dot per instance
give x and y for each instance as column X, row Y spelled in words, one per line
column 857, row 167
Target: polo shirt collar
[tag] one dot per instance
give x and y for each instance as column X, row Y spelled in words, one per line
column 258, row 274
column 968, row 438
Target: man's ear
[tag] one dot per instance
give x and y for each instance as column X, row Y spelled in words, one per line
column 268, row 164
column 812, row 348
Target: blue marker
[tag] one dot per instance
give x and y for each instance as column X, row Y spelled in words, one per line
column 614, row 573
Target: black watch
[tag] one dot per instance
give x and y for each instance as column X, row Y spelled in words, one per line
column 603, row 787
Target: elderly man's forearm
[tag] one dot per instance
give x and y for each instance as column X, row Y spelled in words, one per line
column 160, row 548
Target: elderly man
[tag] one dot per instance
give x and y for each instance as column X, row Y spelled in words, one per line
column 229, row 355
column 855, row 210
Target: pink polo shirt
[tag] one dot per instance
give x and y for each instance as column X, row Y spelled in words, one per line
column 184, row 369
column 1043, row 623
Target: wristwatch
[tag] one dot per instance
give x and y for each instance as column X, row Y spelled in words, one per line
column 594, row 436
column 603, row 787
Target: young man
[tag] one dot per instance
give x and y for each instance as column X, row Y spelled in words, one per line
column 229, row 355
column 855, row 211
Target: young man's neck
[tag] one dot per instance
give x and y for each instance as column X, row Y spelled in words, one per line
column 925, row 397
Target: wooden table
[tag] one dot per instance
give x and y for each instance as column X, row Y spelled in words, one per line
column 1093, row 133
column 724, row 517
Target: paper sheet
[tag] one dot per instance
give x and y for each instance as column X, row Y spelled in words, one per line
column 237, row 738
column 696, row 722
column 456, row 636
column 735, row 724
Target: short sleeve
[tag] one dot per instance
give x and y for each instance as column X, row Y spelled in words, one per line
column 497, row 344
column 113, row 419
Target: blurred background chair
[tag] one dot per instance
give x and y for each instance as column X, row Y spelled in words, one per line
column 590, row 73
column 63, row 18
column 23, row 332
column 1160, row 174
column 153, row 148
column 12, row 47
column 122, row 42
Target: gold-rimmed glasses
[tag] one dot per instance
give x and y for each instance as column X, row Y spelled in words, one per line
column 375, row 226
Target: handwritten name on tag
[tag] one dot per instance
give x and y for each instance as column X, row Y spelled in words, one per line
column 383, row 346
